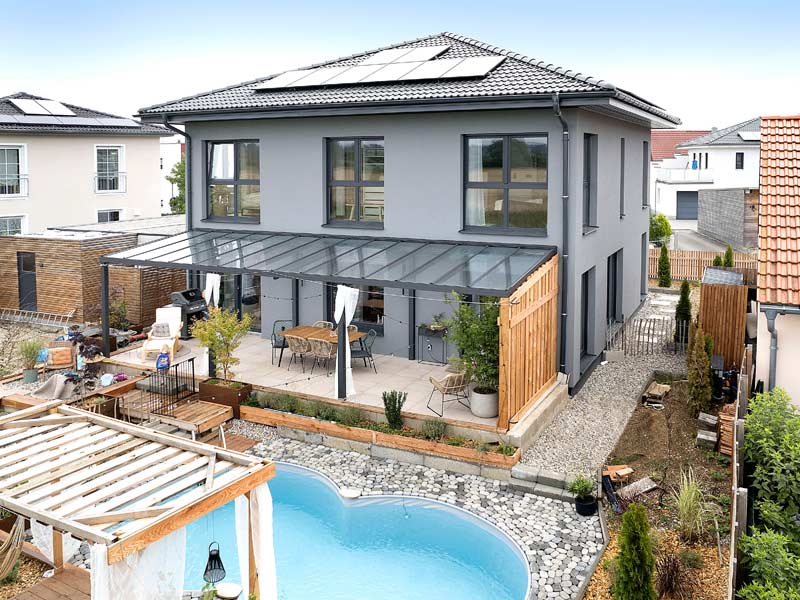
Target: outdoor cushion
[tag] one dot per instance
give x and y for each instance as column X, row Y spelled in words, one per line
column 160, row 330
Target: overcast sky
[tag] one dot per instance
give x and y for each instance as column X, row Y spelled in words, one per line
column 710, row 63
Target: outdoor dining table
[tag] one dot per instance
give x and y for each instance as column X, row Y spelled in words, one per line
column 308, row 332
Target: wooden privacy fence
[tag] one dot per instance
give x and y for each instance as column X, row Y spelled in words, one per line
column 691, row 264
column 723, row 316
column 528, row 342
column 641, row 337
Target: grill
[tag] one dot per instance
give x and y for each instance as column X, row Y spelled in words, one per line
column 192, row 306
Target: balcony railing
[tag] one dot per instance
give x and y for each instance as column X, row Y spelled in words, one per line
column 685, row 176
column 13, row 185
column 110, row 183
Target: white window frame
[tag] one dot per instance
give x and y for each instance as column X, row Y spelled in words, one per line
column 23, row 170
column 23, row 226
column 105, row 210
column 121, row 170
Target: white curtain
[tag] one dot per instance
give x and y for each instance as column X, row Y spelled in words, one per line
column 346, row 302
column 43, row 539
column 154, row 573
column 211, row 291
column 242, row 506
column 263, row 546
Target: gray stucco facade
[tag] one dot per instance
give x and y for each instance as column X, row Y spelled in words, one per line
column 423, row 190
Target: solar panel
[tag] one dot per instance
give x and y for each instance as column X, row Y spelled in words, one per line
column 750, row 136
column 475, row 66
column 284, row 79
column 80, row 121
column 29, row 107
column 8, row 119
column 432, row 69
column 424, row 53
column 55, row 108
column 39, row 120
column 353, row 74
column 385, row 57
column 116, row 122
column 320, row 76
column 391, row 72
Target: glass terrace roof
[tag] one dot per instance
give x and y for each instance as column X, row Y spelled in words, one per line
column 466, row 267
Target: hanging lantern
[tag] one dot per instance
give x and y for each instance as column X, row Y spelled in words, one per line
column 215, row 570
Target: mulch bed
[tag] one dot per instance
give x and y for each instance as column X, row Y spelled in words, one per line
column 29, row 574
column 660, row 444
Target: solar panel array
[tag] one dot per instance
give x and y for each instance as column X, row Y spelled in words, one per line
column 40, row 119
column 396, row 64
column 41, row 107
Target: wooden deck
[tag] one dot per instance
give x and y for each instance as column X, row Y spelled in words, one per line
column 70, row 584
column 192, row 415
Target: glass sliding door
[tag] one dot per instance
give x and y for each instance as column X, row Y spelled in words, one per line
column 251, row 299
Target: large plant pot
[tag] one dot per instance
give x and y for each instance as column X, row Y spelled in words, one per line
column 225, row 394
column 483, row 405
column 30, row 375
column 586, row 507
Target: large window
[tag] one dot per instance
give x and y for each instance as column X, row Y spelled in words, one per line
column 109, row 175
column 234, row 181
column 355, row 181
column 12, row 171
column 10, row 225
column 506, row 182
column 369, row 310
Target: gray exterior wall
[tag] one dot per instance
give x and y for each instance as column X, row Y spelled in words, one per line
column 727, row 216
column 424, row 199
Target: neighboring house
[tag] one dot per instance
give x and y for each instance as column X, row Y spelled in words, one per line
column 172, row 149
column 778, row 349
column 721, row 159
column 668, row 167
column 430, row 166
column 61, row 164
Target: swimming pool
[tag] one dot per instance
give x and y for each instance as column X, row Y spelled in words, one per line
column 382, row 548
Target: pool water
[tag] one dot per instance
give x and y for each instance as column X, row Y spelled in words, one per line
column 385, row 548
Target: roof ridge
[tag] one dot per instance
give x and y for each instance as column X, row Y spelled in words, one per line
column 713, row 136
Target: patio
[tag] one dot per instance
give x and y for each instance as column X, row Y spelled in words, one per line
column 394, row 373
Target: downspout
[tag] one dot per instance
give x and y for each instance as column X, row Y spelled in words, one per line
column 187, row 193
column 564, row 232
column 771, row 311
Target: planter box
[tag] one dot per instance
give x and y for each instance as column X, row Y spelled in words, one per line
column 225, row 395
column 274, row 418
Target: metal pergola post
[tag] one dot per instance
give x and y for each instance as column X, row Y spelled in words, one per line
column 296, row 302
column 412, row 324
column 341, row 355
column 104, row 316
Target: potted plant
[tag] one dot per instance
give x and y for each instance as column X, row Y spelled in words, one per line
column 221, row 333
column 476, row 335
column 29, row 351
column 438, row 323
column 585, row 500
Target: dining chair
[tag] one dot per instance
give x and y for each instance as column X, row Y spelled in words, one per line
column 325, row 324
column 452, row 384
column 278, row 341
column 298, row 347
column 365, row 351
column 323, row 351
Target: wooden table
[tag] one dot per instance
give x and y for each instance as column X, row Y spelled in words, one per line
column 308, row 332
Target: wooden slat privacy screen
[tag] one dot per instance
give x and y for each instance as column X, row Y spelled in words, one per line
column 691, row 264
column 723, row 316
column 528, row 342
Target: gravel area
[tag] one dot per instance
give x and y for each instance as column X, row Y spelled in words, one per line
column 586, row 431
column 254, row 431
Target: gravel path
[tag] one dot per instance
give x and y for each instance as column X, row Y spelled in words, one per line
column 254, row 431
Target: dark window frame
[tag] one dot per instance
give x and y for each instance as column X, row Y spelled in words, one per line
column 621, row 177
column 358, row 183
column 504, row 185
column 590, row 170
column 739, row 161
column 363, row 326
column 236, row 182
column 645, row 174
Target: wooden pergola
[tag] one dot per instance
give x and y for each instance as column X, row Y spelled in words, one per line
column 113, row 483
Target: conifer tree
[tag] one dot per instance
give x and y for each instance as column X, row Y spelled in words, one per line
column 699, row 374
column 635, row 564
column 664, row 269
column 683, row 314
column 728, row 260
column 717, row 262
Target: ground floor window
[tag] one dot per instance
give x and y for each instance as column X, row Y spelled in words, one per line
column 370, row 309
column 10, row 225
column 107, row 216
column 242, row 293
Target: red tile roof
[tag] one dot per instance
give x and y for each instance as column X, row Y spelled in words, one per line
column 779, row 211
column 663, row 141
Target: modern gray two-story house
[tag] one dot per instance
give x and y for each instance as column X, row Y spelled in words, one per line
column 433, row 165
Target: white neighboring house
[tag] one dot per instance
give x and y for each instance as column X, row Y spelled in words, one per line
column 721, row 159
column 62, row 164
column 172, row 150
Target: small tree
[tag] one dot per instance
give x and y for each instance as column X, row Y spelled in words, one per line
column 177, row 177
column 664, row 269
column 699, row 374
column 633, row 574
column 477, row 337
column 222, row 333
column 728, row 260
column 393, row 402
column 717, row 262
column 660, row 229
column 683, row 314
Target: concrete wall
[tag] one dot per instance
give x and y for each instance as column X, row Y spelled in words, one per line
column 720, row 215
column 61, row 188
column 787, row 375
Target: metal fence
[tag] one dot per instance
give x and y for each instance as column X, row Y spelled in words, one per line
column 642, row 337
column 165, row 388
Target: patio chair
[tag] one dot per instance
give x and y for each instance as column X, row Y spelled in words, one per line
column 278, row 341
column 325, row 324
column 365, row 351
column 298, row 347
column 165, row 332
column 323, row 351
column 352, row 328
column 452, row 384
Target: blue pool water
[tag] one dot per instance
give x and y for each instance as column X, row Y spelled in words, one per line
column 387, row 548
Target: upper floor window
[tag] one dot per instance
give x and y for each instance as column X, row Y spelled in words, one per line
column 13, row 179
column 109, row 171
column 234, row 180
column 106, row 216
column 355, row 181
column 645, row 173
column 10, row 225
column 589, row 180
column 740, row 160
column 506, row 182
column 621, row 177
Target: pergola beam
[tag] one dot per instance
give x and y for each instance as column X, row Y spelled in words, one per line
column 84, row 532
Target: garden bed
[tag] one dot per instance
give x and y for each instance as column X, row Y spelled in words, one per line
column 348, row 423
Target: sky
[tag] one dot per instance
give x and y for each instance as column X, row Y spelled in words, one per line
column 710, row 63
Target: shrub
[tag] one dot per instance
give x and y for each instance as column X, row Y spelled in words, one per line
column 717, row 262
column 664, row 269
column 29, row 351
column 699, row 374
column 392, row 405
column 326, row 412
column 582, row 487
column 251, row 400
column 284, row 403
column 433, row 429
column 660, row 229
column 769, row 561
column 761, row 591
column 476, row 335
column 691, row 558
column 633, row 573
column 506, row 449
column 728, row 260
column 350, row 416
column 672, row 578
column 118, row 314
column 693, row 511
column 308, row 409
column 456, row 440
column 683, row 314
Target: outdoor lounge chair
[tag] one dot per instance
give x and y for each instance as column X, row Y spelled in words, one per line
column 365, row 351
column 278, row 341
column 453, row 384
column 323, row 351
column 298, row 347
column 166, row 331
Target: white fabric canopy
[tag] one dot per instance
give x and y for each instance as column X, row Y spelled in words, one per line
column 263, row 545
column 211, row 292
column 346, row 303
column 43, row 540
column 242, row 519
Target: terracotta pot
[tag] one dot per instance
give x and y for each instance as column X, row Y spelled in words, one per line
column 223, row 393
column 483, row 405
